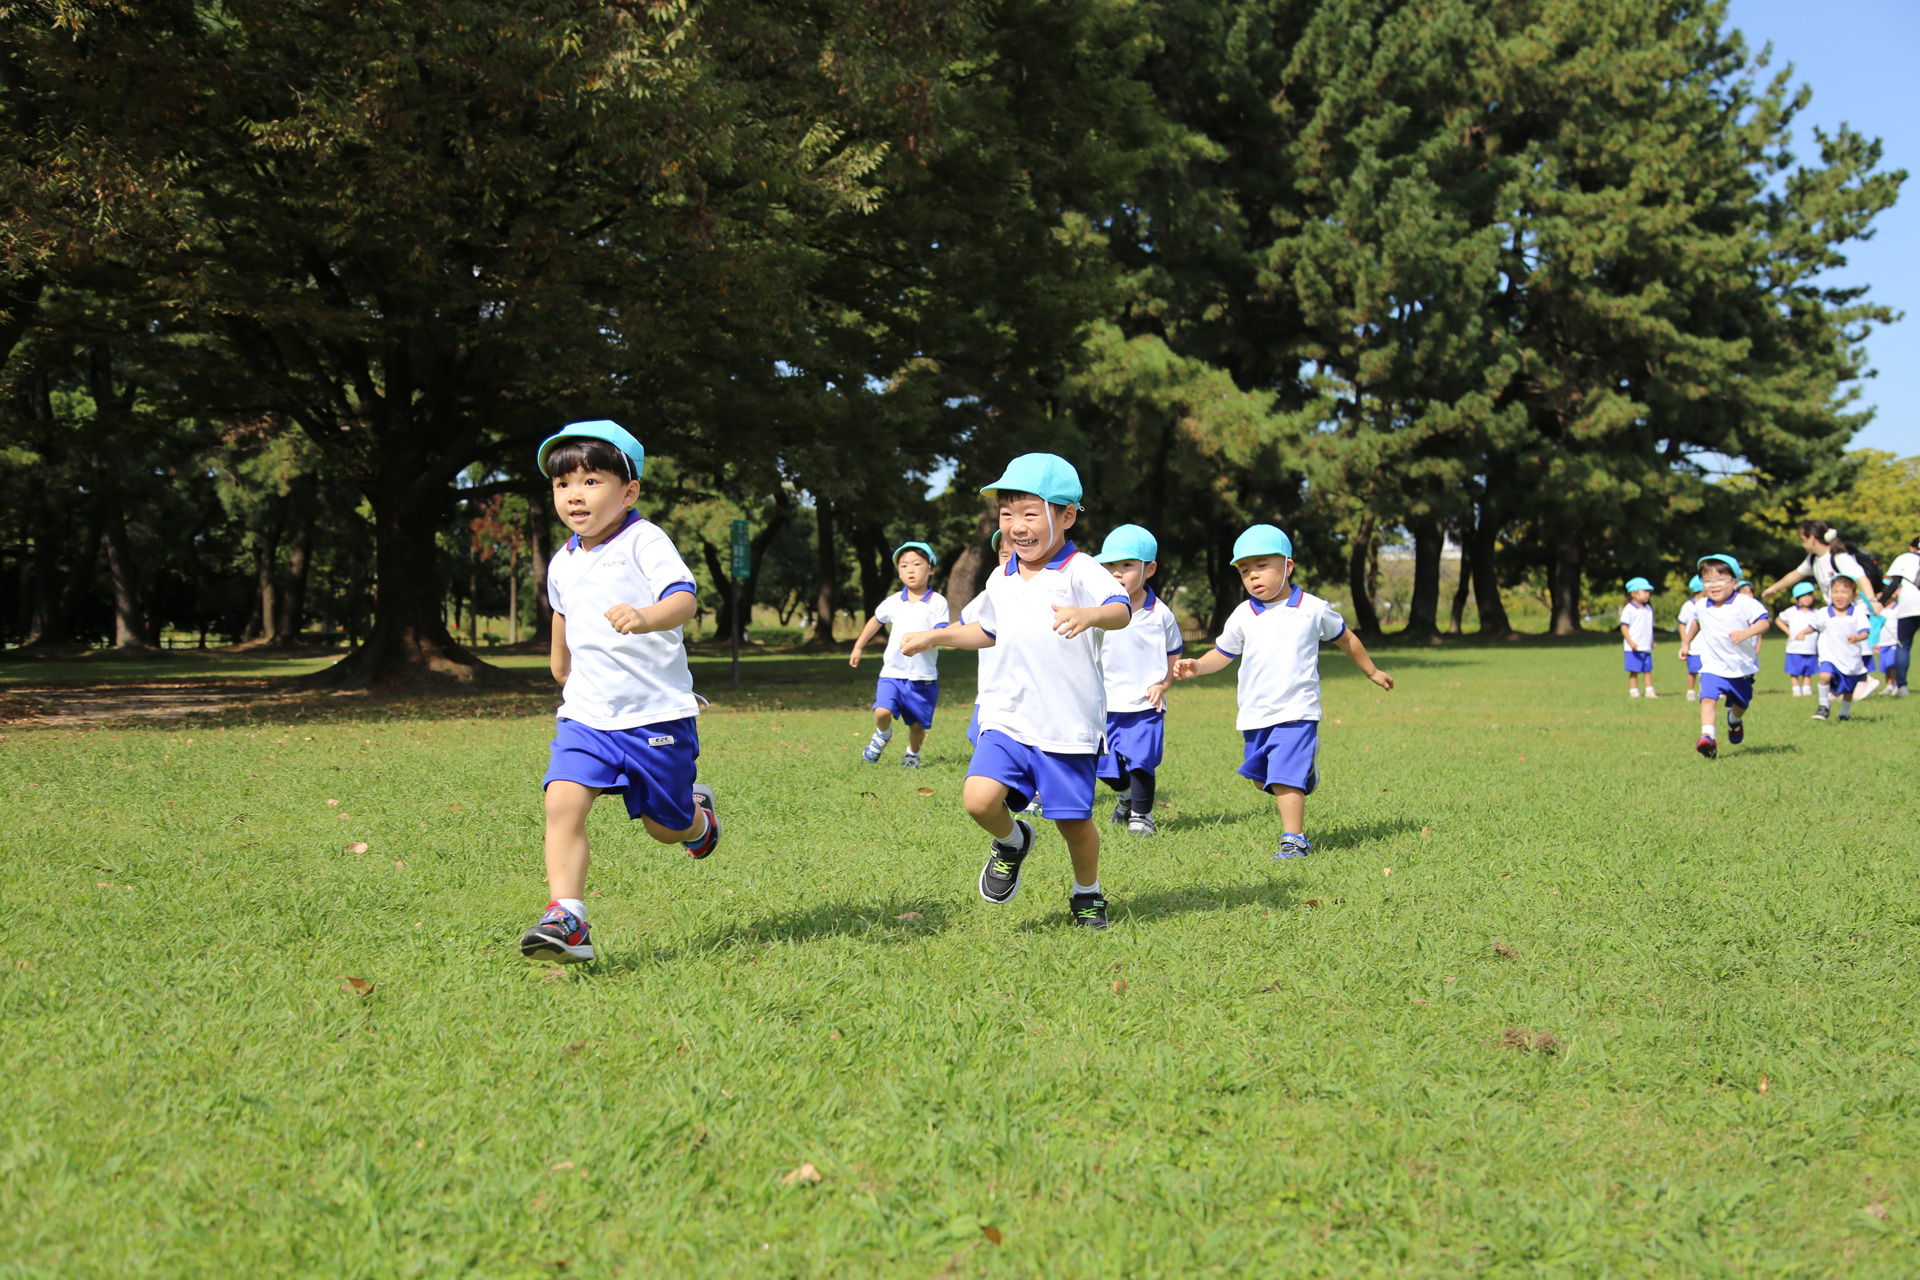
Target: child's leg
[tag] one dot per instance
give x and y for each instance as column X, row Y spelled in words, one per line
column 883, row 720
column 1826, row 689
column 568, row 804
column 1083, row 846
column 916, row 736
column 1709, row 716
column 986, row 804
column 1292, row 803
column 665, row 836
column 1141, row 784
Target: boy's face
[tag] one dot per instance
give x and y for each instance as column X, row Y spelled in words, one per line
column 1841, row 593
column 1640, row 597
column 1265, row 577
column 1719, row 585
column 592, row 503
column 915, row 573
column 1035, row 529
column 1132, row 575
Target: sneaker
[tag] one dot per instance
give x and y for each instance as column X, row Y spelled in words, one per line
column 560, row 935
column 875, row 746
column 1633, row 693
column 910, row 760
column 1736, row 732
column 1652, row 694
column 1089, row 910
column 706, row 844
column 1865, row 691
column 1293, row 847
column 1000, row 878
column 1902, row 691
column 1707, row 747
column 1822, row 713
column 1123, row 810
column 1692, row 696
column 1141, row 824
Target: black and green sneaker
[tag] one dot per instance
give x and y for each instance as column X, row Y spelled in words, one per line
column 1089, row 910
column 1000, row 878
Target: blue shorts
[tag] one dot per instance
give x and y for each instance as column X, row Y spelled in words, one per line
column 1736, row 690
column 1283, row 754
column 651, row 767
column 1802, row 664
column 1693, row 665
column 1889, row 657
column 1066, row 780
column 909, row 700
column 1135, row 740
column 1839, row 681
column 1638, row 660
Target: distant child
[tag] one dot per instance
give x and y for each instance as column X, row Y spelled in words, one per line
column 1043, row 717
column 1636, row 636
column 1803, row 661
column 1278, row 633
column 1841, row 626
column 1886, row 646
column 620, row 595
column 1695, row 597
column 1138, row 664
column 909, row 687
column 1725, row 631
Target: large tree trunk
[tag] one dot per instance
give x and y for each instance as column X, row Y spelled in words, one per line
column 1228, row 590
column 1359, row 558
column 967, row 576
column 1423, row 610
column 539, row 554
column 260, row 621
column 292, row 615
column 870, row 543
column 1566, row 587
column 513, row 595
column 128, row 630
column 827, row 566
column 1486, row 578
column 43, row 595
column 1465, row 584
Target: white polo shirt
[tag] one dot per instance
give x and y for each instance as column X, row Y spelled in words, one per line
column 1134, row 658
column 1835, row 630
column 1824, row 566
column 1279, row 650
column 902, row 615
column 618, row 681
column 1043, row 690
column 1906, row 566
column 1638, row 620
column 1688, row 612
column 989, row 657
column 1799, row 620
column 1719, row 655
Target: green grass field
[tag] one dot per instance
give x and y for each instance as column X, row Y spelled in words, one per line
column 1262, row 1068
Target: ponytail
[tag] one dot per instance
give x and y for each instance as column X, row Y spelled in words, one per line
column 1826, row 533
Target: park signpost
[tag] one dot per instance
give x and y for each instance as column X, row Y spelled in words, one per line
column 742, row 565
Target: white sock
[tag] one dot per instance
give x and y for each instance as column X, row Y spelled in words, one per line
column 1734, row 717
column 1707, row 731
column 1079, row 888
column 1846, row 710
column 885, row 735
column 1011, row 840
column 1826, row 694
column 1632, row 692
column 574, row 905
column 1649, row 690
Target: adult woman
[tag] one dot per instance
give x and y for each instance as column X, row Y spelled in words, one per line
column 1828, row 558
column 1903, row 608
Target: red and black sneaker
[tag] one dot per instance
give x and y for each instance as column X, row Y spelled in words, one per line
column 560, row 935
column 1707, row 747
column 706, row 844
column 1736, row 732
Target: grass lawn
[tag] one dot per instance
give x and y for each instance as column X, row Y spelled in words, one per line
column 1262, row 1068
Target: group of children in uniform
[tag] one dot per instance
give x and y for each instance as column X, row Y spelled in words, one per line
column 1076, row 656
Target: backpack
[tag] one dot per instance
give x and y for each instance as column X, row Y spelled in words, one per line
column 1869, row 565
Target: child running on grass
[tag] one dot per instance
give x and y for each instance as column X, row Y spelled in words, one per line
column 620, row 595
column 1687, row 612
column 1278, row 633
column 1137, row 662
column 1803, row 656
column 1726, row 632
column 1636, row 636
column 989, row 663
column 909, row 687
column 1840, row 627
column 1043, row 717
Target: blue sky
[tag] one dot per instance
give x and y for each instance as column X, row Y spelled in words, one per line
column 1858, row 56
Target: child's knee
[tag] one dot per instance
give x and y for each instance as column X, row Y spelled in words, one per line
column 983, row 797
column 568, row 801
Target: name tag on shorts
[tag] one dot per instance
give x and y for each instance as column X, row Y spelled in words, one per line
column 664, row 740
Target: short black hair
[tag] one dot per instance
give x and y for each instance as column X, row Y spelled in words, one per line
column 587, row 454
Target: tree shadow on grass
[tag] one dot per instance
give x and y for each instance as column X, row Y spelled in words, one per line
column 1768, row 749
column 1273, row 894
column 1229, row 818
column 881, row 922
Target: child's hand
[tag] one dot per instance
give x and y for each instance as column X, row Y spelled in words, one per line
column 1381, row 678
column 1157, row 696
column 853, row 659
column 1186, row 668
column 916, row 642
column 626, row 619
column 1069, row 622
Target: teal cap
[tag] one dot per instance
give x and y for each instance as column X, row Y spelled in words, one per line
column 1129, row 542
column 1802, row 589
column 921, row 547
column 1047, row 476
column 1638, row 584
column 599, row 429
column 1695, row 586
column 1262, row 540
column 1728, row 561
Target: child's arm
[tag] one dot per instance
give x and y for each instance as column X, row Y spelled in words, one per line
column 1626, row 633
column 1687, row 633
column 1858, row 636
column 1745, row 634
column 1358, row 652
column 1216, row 659
column 674, row 611
column 559, row 657
column 1069, row 621
column 968, row 635
column 1786, row 626
column 867, row 633
column 1157, row 693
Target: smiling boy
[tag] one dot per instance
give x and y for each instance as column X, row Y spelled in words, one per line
column 1277, row 634
column 909, row 687
column 1725, row 632
column 1043, row 707
column 1137, row 663
column 620, row 595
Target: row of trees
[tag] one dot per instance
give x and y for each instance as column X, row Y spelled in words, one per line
column 291, row 290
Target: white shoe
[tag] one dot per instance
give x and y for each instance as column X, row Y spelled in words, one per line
column 1652, row 694
column 1902, row 691
column 1865, row 691
column 1633, row 693
column 1693, row 695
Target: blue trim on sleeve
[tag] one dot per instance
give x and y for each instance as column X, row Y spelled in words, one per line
column 1122, row 599
column 1342, row 631
column 941, row 626
column 679, row 587
column 983, row 627
column 1178, row 648
column 1230, row 653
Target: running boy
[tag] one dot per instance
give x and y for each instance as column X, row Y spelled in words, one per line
column 909, row 687
column 1636, row 636
column 1043, row 718
column 1137, row 662
column 1278, row 631
column 620, row 594
column 1803, row 661
column 1726, row 632
column 1841, row 626
column 1687, row 612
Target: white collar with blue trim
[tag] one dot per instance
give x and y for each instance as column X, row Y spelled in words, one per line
column 1067, row 552
column 1260, row 606
column 907, row 599
column 633, row 518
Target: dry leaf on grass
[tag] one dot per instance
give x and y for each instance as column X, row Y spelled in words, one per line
column 1313, row 902
column 358, row 846
column 926, row 791
column 697, row 1138
column 908, row 915
column 1386, row 871
column 332, row 803
column 453, row 808
column 1502, row 949
column 564, row 1164
column 576, row 1046
column 1763, row 1084
column 1426, row 831
column 1876, row 1210
column 1119, row 986
column 993, row 1233
column 806, row 1174
column 399, row 864
column 355, row 986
